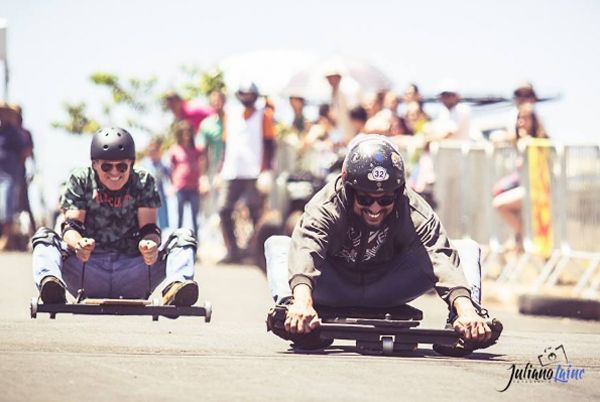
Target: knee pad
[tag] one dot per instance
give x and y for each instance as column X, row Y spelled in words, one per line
column 47, row 237
column 181, row 238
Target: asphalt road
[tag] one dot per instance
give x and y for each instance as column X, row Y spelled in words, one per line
column 97, row 358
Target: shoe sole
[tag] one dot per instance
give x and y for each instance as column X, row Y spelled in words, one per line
column 187, row 295
column 53, row 293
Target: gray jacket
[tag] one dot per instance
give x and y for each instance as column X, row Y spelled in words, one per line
column 330, row 231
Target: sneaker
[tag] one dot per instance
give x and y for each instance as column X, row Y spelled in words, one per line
column 52, row 291
column 181, row 294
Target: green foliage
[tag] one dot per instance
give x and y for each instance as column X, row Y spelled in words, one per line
column 201, row 83
column 77, row 120
column 212, row 81
column 132, row 101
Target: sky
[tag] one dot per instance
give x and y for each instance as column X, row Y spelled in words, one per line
column 486, row 46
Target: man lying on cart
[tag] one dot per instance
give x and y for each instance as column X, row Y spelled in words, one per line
column 366, row 240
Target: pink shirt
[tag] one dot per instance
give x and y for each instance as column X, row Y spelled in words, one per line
column 185, row 167
column 194, row 114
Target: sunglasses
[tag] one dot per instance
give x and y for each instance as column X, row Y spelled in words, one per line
column 367, row 200
column 523, row 95
column 122, row 167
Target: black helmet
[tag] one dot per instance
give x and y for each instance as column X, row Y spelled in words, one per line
column 112, row 143
column 373, row 164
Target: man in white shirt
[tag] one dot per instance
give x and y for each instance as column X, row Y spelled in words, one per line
column 454, row 120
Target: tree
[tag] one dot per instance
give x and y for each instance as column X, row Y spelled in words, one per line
column 135, row 102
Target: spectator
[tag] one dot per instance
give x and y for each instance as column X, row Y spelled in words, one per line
column 249, row 136
column 412, row 94
column 322, row 130
column 211, row 133
column 184, row 111
column 358, row 119
column 415, row 117
column 186, row 166
column 378, row 121
column 153, row 163
column 26, row 171
column 508, row 192
column 11, row 150
column 300, row 123
column 398, row 124
column 454, row 120
column 339, row 104
column 523, row 94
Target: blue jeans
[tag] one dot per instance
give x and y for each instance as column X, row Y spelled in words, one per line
column 191, row 196
column 403, row 282
column 163, row 212
column 111, row 275
column 7, row 197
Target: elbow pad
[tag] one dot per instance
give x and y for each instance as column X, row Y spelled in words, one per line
column 72, row 224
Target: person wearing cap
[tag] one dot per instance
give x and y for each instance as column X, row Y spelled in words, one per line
column 110, row 211
column 340, row 107
column 367, row 240
column 249, row 137
column 523, row 94
column 454, row 120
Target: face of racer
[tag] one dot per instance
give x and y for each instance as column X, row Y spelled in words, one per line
column 112, row 174
column 374, row 214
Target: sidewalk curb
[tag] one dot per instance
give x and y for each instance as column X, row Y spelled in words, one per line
column 559, row 306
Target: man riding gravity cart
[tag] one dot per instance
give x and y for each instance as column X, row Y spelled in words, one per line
column 109, row 247
column 365, row 246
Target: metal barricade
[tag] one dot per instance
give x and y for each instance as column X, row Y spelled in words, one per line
column 577, row 221
column 450, row 173
column 465, row 174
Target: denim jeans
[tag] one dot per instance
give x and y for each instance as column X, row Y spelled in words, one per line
column 7, row 197
column 111, row 275
column 403, row 282
column 191, row 196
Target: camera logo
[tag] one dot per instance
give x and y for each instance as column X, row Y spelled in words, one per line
column 553, row 355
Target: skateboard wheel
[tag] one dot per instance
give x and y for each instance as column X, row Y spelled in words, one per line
column 33, row 307
column 207, row 311
column 154, row 318
column 387, row 344
column 52, row 316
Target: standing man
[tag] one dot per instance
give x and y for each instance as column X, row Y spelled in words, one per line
column 454, row 120
column 249, row 137
column 210, row 136
column 11, row 150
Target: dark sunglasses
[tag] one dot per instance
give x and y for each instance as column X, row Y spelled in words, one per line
column 122, row 167
column 367, row 201
column 523, row 94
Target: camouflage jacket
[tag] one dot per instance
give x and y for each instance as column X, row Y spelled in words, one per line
column 111, row 216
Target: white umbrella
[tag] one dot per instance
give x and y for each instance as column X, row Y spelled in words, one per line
column 358, row 76
column 269, row 69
